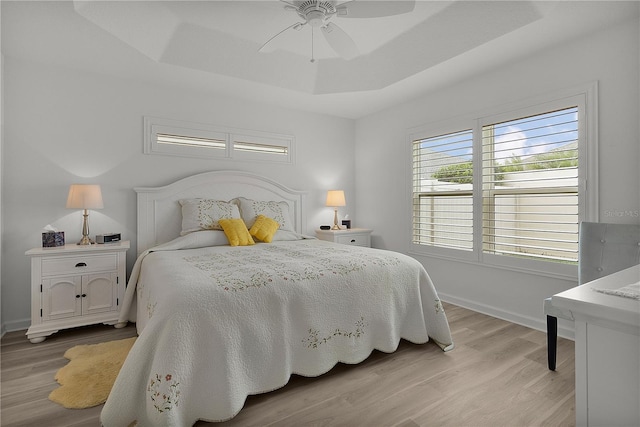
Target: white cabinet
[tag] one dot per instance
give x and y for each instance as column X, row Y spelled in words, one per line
column 74, row 286
column 79, row 295
column 350, row 236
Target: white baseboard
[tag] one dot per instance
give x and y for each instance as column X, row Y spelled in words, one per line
column 16, row 325
column 530, row 322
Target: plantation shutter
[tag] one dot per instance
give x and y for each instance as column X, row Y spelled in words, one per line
column 261, row 147
column 443, row 191
column 191, row 141
column 530, row 186
column 201, row 140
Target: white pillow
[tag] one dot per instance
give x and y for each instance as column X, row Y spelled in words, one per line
column 203, row 214
column 198, row 239
column 286, row 235
column 279, row 211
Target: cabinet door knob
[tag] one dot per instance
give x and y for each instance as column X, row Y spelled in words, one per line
column 77, row 296
column 84, row 295
column 81, row 264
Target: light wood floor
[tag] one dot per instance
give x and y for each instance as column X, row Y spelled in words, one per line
column 496, row 376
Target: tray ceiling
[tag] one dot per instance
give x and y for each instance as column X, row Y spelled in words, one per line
column 214, row 45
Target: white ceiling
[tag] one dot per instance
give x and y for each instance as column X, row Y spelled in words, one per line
column 213, row 45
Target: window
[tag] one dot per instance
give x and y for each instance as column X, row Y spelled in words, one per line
column 257, row 146
column 172, row 137
column 443, row 191
column 189, row 141
column 509, row 188
column 530, row 186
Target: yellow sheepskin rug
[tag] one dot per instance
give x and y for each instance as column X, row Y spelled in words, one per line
column 89, row 376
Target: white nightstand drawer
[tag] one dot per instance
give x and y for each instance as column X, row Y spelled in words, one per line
column 354, row 239
column 349, row 236
column 79, row 264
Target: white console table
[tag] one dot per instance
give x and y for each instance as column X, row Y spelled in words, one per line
column 607, row 346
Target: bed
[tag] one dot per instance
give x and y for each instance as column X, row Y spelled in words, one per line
column 217, row 323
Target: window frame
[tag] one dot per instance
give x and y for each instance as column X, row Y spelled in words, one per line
column 154, row 126
column 583, row 96
column 424, row 132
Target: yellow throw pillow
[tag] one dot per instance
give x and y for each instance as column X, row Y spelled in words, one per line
column 236, row 231
column 264, row 228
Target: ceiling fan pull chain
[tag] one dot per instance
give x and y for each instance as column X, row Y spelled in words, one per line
column 313, row 59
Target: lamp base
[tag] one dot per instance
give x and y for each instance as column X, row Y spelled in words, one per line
column 86, row 241
column 335, row 220
column 85, row 230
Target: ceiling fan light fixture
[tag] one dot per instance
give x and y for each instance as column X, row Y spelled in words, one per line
column 315, row 18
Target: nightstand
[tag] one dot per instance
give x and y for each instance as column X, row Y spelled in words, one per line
column 75, row 285
column 350, row 236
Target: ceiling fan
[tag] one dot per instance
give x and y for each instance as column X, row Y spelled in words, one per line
column 319, row 13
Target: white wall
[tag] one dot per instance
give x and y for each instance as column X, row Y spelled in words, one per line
column 610, row 57
column 64, row 126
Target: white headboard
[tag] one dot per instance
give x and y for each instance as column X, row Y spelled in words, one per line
column 160, row 213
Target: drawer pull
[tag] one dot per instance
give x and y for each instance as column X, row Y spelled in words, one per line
column 353, row 240
column 81, row 264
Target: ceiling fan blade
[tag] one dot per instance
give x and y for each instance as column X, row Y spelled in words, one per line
column 340, row 41
column 295, row 26
column 373, row 9
column 289, row 3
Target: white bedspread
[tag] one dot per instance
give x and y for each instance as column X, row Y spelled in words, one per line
column 221, row 323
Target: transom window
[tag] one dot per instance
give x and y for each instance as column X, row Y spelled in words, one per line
column 173, row 137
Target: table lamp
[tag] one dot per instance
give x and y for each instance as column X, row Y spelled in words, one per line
column 335, row 198
column 85, row 196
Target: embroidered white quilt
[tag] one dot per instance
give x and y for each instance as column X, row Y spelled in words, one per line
column 220, row 323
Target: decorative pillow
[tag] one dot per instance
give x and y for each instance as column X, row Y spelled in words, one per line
column 204, row 214
column 236, row 231
column 278, row 211
column 264, row 228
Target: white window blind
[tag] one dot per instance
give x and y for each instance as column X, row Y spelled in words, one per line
column 174, row 137
column 260, row 148
column 188, row 141
column 508, row 187
column 530, row 186
column 443, row 191
column 254, row 146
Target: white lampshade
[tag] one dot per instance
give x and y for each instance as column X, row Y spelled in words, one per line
column 335, row 198
column 84, row 196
